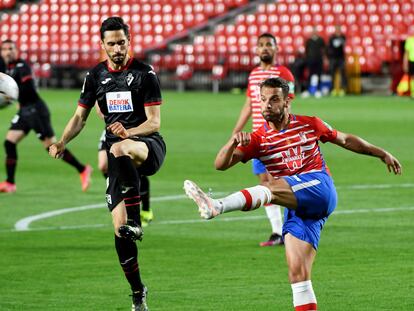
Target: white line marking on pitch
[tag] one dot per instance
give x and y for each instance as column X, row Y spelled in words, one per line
column 24, row 224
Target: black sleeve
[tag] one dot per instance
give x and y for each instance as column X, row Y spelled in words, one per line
column 2, row 65
column 88, row 94
column 151, row 89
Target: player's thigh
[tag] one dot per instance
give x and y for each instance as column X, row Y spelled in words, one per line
column 15, row 136
column 137, row 150
column 282, row 193
column 300, row 256
column 102, row 161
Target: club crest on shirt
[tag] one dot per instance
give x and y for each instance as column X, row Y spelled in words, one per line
column 293, row 158
column 118, row 102
column 129, row 78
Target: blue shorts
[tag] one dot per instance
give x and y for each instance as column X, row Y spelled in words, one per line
column 258, row 167
column 316, row 197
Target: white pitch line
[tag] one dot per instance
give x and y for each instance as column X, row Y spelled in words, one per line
column 221, row 219
column 24, row 224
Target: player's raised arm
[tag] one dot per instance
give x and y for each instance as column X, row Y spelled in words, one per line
column 72, row 129
column 150, row 126
column 359, row 145
column 229, row 155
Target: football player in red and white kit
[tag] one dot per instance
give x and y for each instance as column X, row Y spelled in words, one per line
column 287, row 144
column 266, row 50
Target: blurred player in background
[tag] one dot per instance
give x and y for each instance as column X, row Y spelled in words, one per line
column 146, row 213
column 34, row 115
column 288, row 146
column 315, row 55
column 336, row 56
column 266, row 50
column 408, row 61
column 128, row 94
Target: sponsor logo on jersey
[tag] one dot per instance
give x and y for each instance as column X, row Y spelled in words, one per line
column 292, row 158
column 129, row 79
column 119, row 102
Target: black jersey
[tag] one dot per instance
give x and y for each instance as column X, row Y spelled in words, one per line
column 21, row 72
column 121, row 94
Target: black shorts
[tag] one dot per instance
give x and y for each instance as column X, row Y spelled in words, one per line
column 156, row 155
column 34, row 117
column 411, row 68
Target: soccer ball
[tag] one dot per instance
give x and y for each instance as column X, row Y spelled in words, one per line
column 9, row 90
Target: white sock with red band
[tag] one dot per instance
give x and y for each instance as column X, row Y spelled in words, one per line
column 303, row 296
column 245, row 200
column 274, row 214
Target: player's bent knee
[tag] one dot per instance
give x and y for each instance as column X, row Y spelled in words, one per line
column 119, row 149
column 298, row 273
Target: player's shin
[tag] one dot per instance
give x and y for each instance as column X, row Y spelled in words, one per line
column 128, row 258
column 303, row 296
column 11, row 160
column 246, row 200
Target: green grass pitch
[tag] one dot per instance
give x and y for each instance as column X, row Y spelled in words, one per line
column 68, row 262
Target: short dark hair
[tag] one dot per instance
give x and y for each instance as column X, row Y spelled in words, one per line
column 276, row 83
column 267, row 35
column 114, row 23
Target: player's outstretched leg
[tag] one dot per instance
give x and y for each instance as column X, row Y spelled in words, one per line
column 245, row 200
column 206, row 206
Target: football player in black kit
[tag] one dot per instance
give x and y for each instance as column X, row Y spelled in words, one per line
column 34, row 115
column 129, row 96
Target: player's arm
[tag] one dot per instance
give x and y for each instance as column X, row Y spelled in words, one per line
column 72, row 129
column 229, row 155
column 359, row 145
column 150, row 126
column 244, row 116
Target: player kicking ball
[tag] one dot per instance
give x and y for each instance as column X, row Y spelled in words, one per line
column 287, row 144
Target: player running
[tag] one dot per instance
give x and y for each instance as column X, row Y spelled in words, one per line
column 34, row 115
column 287, row 144
column 267, row 51
column 128, row 94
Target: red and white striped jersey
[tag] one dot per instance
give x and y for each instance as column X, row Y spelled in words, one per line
column 257, row 75
column 292, row 151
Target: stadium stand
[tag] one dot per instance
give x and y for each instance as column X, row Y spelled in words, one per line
column 370, row 27
column 7, row 4
column 170, row 33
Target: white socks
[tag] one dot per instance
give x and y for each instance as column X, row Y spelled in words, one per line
column 245, row 200
column 275, row 217
column 303, row 296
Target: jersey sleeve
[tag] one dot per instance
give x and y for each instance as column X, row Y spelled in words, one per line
column 25, row 73
column 324, row 131
column 251, row 151
column 288, row 76
column 151, row 87
column 88, row 94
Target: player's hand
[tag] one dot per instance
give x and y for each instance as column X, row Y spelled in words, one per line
column 118, row 129
column 241, row 139
column 392, row 163
column 56, row 150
